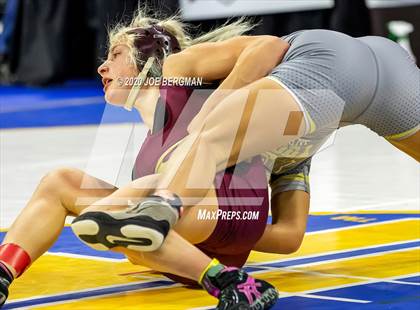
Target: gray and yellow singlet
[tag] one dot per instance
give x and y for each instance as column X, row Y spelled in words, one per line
column 338, row 80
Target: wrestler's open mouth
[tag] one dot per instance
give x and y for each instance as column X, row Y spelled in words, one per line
column 106, row 82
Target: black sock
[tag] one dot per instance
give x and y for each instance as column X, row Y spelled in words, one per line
column 5, row 273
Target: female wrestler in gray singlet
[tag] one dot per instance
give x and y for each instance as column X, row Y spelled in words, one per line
column 325, row 80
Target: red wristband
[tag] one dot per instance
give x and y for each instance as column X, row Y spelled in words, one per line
column 15, row 256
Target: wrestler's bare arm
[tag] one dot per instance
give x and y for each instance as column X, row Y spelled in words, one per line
column 285, row 234
column 239, row 61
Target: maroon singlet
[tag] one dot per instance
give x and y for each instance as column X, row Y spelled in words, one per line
column 233, row 239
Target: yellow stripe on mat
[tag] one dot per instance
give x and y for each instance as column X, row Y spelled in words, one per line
column 349, row 238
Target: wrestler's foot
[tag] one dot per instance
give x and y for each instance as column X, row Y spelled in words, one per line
column 140, row 228
column 235, row 289
column 4, row 290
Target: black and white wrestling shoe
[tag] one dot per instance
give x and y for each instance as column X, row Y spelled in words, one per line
column 4, row 290
column 140, row 228
column 5, row 280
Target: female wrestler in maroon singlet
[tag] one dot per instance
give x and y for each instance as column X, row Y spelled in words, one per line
column 237, row 190
column 240, row 191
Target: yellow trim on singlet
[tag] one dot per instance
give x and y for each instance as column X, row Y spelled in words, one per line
column 295, row 177
column 299, row 176
column 403, row 135
column 312, row 126
column 160, row 164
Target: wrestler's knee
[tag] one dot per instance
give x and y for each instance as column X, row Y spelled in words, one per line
column 59, row 180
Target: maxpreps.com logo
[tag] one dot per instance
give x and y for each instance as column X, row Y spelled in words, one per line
column 219, row 214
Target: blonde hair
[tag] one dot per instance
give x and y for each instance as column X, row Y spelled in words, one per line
column 143, row 18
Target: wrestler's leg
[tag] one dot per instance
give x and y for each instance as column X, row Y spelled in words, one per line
column 62, row 192
column 178, row 256
column 257, row 118
column 175, row 256
column 410, row 145
column 41, row 221
column 69, row 191
column 187, row 226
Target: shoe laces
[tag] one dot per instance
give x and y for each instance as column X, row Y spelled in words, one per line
column 250, row 289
